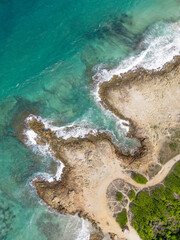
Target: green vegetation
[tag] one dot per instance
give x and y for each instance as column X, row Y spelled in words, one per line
column 172, row 146
column 172, row 181
column 138, row 178
column 122, row 218
column 119, row 196
column 132, row 195
column 157, row 214
column 161, row 160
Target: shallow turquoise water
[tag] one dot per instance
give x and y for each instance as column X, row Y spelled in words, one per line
column 49, row 52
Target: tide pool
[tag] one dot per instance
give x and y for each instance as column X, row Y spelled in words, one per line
column 49, row 53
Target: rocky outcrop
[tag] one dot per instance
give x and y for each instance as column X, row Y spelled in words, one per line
column 96, row 236
column 90, row 166
column 95, row 168
column 149, row 99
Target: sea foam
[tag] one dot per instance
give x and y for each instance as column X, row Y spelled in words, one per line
column 65, row 132
column 72, row 130
column 161, row 43
column 44, row 150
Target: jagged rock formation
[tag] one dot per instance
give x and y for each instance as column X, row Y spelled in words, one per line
column 150, row 101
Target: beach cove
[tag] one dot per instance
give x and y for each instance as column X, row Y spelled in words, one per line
column 54, row 56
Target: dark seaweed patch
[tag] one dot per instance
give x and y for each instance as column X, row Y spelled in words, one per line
column 119, row 28
column 13, row 111
column 7, row 218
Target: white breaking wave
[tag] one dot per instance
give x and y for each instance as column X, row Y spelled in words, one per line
column 84, row 232
column 76, row 228
column 57, row 177
column 31, row 137
column 65, row 132
column 31, row 141
column 44, row 150
column 161, row 44
column 158, row 51
column 49, row 177
column 74, row 131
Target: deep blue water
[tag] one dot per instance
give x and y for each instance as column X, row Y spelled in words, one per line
column 49, row 51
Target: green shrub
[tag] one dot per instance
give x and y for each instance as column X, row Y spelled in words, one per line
column 119, row 196
column 172, row 146
column 132, row 195
column 172, row 181
column 156, row 214
column 138, row 178
column 122, row 218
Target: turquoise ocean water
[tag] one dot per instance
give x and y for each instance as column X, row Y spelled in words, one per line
column 49, row 53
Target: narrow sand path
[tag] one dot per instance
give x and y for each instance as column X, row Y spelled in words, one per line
column 132, row 234
column 94, row 166
column 99, row 200
column 163, row 172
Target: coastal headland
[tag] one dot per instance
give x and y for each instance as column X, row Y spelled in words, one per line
column 96, row 170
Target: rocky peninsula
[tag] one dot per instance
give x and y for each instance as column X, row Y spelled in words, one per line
column 97, row 181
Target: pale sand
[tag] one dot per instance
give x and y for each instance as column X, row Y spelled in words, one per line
column 94, row 166
column 151, row 100
column 93, row 163
column 96, row 201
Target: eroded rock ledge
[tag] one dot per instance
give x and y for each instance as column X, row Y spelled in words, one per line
column 90, row 165
column 150, row 101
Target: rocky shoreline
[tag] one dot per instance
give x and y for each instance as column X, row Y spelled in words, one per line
column 67, row 195
column 60, row 195
column 94, row 162
column 142, row 97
